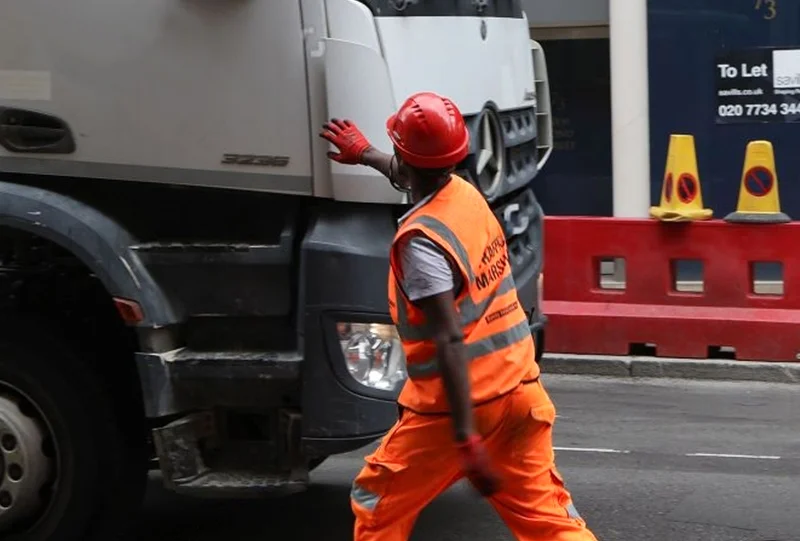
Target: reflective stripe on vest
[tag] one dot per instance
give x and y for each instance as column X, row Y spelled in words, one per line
column 475, row 350
column 469, row 311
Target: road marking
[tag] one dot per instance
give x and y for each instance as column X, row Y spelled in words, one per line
column 590, row 450
column 717, row 455
column 601, row 450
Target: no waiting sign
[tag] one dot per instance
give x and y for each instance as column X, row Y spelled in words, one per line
column 758, row 181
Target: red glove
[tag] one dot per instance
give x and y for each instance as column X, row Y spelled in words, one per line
column 347, row 138
column 476, row 466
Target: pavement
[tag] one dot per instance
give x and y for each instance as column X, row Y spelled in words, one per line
column 662, row 367
column 646, row 460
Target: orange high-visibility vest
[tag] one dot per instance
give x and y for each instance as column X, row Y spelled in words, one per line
column 497, row 338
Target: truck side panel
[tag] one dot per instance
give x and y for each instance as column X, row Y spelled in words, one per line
column 209, row 93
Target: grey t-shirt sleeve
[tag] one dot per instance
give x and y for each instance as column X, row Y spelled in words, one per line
column 426, row 269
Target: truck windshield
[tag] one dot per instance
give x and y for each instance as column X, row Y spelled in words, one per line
column 445, row 8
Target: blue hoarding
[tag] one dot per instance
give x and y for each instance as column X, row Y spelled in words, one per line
column 714, row 75
column 577, row 179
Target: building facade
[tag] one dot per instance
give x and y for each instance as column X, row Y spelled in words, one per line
column 671, row 73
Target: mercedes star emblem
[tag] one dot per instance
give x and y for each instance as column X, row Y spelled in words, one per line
column 490, row 162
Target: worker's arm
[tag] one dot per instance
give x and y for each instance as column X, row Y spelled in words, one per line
column 441, row 316
column 431, row 280
column 382, row 162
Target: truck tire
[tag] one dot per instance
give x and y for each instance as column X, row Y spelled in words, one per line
column 65, row 471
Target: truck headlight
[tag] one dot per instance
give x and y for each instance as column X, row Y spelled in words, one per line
column 373, row 354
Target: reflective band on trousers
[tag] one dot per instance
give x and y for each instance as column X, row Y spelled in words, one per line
column 572, row 511
column 475, row 350
column 363, row 497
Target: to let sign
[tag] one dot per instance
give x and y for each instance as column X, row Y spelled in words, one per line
column 758, row 85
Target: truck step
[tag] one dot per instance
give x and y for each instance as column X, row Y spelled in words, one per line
column 242, row 484
column 192, row 462
column 235, row 279
column 192, row 365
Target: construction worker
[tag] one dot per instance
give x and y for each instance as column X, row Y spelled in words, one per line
column 473, row 405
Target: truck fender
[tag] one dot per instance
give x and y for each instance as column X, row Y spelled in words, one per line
column 102, row 244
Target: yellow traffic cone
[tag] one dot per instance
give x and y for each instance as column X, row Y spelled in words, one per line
column 759, row 201
column 681, row 196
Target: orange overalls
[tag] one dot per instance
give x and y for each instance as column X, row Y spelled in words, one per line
column 417, row 459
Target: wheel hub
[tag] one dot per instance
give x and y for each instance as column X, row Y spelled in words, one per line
column 24, row 466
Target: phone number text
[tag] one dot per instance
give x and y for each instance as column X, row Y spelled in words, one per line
column 759, row 109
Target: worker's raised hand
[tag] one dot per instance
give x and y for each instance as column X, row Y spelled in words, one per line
column 347, row 138
column 477, row 467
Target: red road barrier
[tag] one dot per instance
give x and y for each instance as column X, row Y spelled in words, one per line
column 586, row 318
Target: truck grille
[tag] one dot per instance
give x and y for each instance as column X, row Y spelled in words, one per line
column 515, row 142
column 519, row 213
column 522, row 219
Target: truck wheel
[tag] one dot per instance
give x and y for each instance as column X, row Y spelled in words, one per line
column 64, row 469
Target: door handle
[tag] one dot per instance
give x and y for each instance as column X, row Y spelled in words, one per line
column 24, row 131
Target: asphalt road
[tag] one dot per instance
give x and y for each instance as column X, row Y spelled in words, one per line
column 646, row 461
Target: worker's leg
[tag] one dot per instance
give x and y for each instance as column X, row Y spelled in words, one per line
column 534, row 502
column 415, row 462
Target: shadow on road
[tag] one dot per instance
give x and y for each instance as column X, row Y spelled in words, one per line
column 322, row 512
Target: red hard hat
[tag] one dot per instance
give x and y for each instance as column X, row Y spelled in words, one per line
column 429, row 132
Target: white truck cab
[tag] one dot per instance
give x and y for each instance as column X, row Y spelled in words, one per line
column 186, row 276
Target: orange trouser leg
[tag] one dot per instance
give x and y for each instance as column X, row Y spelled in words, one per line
column 415, row 462
column 534, row 502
